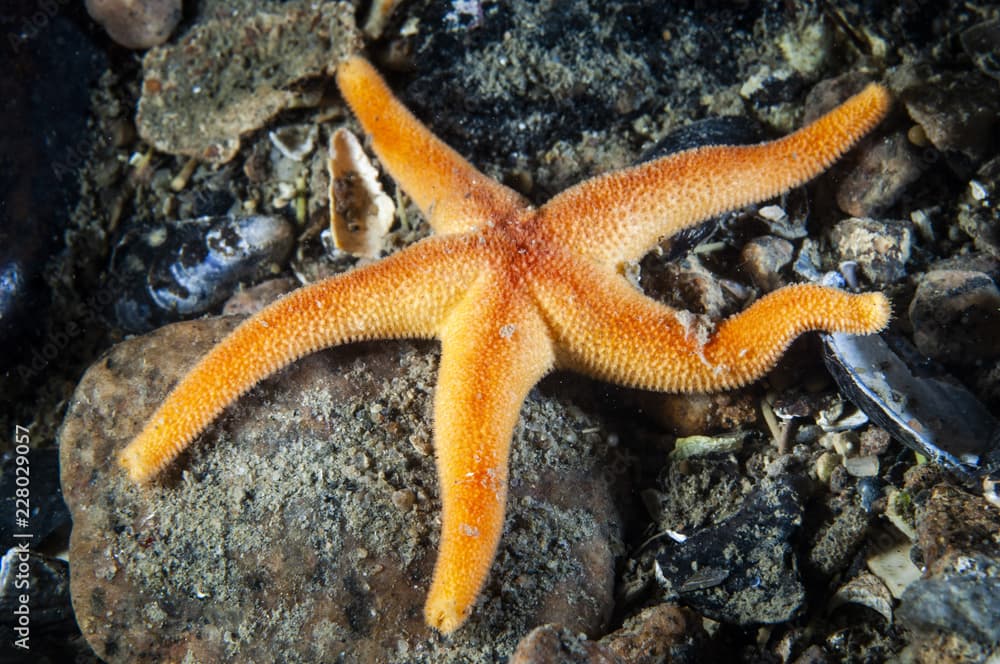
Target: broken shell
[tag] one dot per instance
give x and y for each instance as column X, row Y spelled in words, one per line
column 360, row 212
column 931, row 415
column 894, row 567
column 695, row 446
column 865, row 589
column 295, row 141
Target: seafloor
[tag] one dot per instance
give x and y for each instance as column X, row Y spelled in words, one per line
column 794, row 520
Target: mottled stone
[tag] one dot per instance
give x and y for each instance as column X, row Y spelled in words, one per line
column 881, row 248
column 657, row 635
column 280, row 536
column 956, row 316
column 690, row 414
column 953, row 522
column 228, row 76
column 552, row 644
column 952, row 611
column 763, row 258
column 979, row 208
column 838, row 538
column 880, row 176
column 874, row 441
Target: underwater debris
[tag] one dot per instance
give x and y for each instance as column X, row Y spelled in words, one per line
column 360, row 212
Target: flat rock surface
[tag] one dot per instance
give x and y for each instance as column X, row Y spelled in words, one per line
column 303, row 525
column 230, row 75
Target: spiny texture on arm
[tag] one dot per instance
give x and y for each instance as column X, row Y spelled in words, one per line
column 451, row 193
column 493, row 350
column 394, row 298
column 636, row 207
column 643, row 343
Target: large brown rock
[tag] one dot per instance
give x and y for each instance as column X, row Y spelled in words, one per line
column 303, row 525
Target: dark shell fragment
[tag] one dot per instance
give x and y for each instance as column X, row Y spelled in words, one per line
column 929, row 413
column 195, row 266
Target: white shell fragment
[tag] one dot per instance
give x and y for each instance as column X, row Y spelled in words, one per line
column 378, row 17
column 894, row 567
column 295, row 141
column 360, row 212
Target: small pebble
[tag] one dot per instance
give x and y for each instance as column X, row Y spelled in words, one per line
column 881, row 248
column 956, row 316
column 880, row 178
column 136, row 24
column 764, row 258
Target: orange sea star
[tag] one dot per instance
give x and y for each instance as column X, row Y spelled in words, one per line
column 513, row 292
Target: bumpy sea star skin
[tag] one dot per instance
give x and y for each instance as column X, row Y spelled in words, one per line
column 513, row 292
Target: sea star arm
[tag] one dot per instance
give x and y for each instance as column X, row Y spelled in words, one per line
column 452, row 194
column 621, row 215
column 405, row 295
column 605, row 328
column 493, row 350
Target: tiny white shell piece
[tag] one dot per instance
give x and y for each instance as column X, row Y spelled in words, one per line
column 294, row 141
column 378, row 17
column 360, row 212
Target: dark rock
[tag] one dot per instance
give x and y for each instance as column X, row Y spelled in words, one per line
column 43, row 141
column 281, row 536
column 958, row 114
column 764, row 258
column 956, row 316
column 955, row 610
column 137, row 24
column 931, row 414
column 189, row 267
column 838, row 538
column 981, row 42
column 881, row 248
column 551, row 644
column 698, row 492
column 979, row 208
column 743, row 570
column 883, row 171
